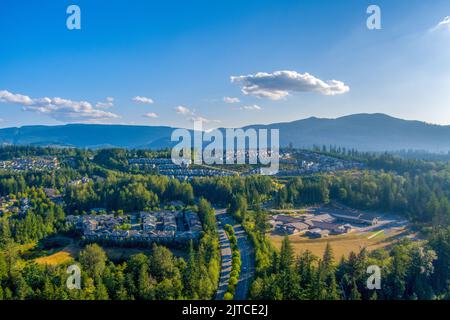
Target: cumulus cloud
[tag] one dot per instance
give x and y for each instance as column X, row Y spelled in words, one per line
column 143, row 100
column 150, row 115
column 251, row 107
column 280, row 84
column 191, row 115
column 58, row 108
column 183, row 110
column 203, row 119
column 231, row 100
column 105, row 105
column 444, row 24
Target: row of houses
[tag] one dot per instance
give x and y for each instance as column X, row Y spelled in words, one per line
column 184, row 173
column 162, row 221
column 30, row 164
column 308, row 162
column 143, row 227
column 150, row 161
column 166, row 167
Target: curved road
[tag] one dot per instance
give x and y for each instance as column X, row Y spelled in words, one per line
column 247, row 252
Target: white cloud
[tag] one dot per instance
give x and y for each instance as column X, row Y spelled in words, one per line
column 231, row 100
column 58, row 108
column 202, row 119
column 143, row 100
column 193, row 116
column 8, row 97
column 151, row 115
column 280, row 84
column 183, row 110
column 105, row 105
column 251, row 107
column 444, row 24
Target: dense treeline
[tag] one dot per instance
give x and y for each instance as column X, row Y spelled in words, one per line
column 407, row 272
column 221, row 190
column 12, row 152
column 299, row 192
column 419, row 190
column 401, row 161
column 160, row 275
column 41, row 219
column 139, row 192
column 126, row 192
column 421, row 198
column 14, row 182
column 410, row 270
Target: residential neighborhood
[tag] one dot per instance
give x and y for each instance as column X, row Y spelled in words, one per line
column 309, row 162
column 166, row 167
column 30, row 164
column 11, row 205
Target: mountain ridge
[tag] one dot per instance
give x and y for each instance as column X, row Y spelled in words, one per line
column 364, row 131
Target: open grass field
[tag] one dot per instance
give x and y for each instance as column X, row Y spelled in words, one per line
column 343, row 244
column 64, row 256
column 61, row 257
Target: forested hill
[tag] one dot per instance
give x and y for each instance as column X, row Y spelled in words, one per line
column 365, row 132
column 89, row 136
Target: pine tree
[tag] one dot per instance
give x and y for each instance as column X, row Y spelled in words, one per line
column 328, row 260
column 332, row 288
column 145, row 284
column 354, row 293
column 101, row 293
column 191, row 274
column 49, row 291
column 286, row 255
column 306, row 271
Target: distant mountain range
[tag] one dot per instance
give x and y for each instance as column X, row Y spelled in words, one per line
column 365, row 132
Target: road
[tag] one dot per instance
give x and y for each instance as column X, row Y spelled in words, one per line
column 225, row 253
column 247, row 252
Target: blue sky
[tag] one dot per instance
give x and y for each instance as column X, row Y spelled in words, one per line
column 169, row 62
